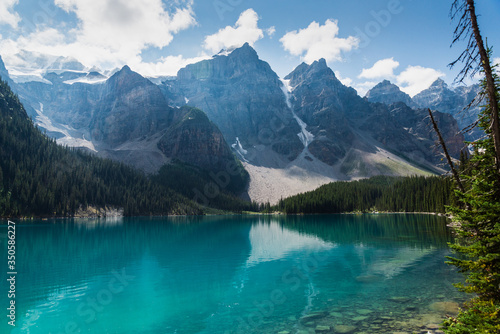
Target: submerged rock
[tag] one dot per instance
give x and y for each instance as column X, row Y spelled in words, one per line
column 450, row 308
column 312, row 316
column 399, row 299
column 336, row 314
column 344, row 329
column 432, row 326
column 364, row 311
column 360, row 318
column 322, row 329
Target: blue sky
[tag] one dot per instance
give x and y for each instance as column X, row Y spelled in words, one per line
column 364, row 41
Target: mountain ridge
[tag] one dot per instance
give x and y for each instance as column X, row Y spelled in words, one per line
column 306, row 129
column 456, row 101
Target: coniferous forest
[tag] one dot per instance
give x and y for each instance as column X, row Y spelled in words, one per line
column 379, row 193
column 40, row 178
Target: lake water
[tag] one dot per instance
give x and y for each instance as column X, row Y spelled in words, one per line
column 231, row 274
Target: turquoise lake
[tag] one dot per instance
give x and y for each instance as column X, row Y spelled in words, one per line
column 231, row 274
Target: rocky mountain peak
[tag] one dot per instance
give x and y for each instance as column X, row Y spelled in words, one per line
column 439, row 83
column 388, row 93
column 243, row 61
column 127, row 80
column 246, row 52
column 126, row 68
column 319, row 65
column 318, row 71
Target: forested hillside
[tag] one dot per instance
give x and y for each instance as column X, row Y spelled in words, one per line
column 379, row 193
column 38, row 177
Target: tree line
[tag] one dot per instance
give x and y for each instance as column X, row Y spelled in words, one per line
column 379, row 193
column 40, row 178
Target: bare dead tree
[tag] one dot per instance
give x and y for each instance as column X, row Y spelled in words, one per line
column 447, row 155
column 475, row 57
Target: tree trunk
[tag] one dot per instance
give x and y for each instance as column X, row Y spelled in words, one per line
column 490, row 81
column 445, row 150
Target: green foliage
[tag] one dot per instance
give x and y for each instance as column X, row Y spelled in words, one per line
column 379, row 193
column 479, row 317
column 478, row 229
column 39, row 177
column 215, row 189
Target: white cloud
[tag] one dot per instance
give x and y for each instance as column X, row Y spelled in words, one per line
column 345, row 81
column 126, row 26
column 7, row 15
column 363, row 87
column 271, row 31
column 417, row 78
column 166, row 65
column 318, row 41
column 381, row 69
column 109, row 33
column 245, row 30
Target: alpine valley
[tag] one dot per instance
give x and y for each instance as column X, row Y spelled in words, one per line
column 290, row 134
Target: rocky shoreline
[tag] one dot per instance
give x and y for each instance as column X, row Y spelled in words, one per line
column 404, row 316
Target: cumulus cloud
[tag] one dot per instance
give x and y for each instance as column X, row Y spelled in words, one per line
column 129, row 26
column 108, row 33
column 417, row 78
column 363, row 87
column 381, row 69
column 7, row 14
column 318, row 41
column 245, row 30
column 166, row 65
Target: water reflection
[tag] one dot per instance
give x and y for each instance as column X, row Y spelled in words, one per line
column 271, row 241
column 210, row 274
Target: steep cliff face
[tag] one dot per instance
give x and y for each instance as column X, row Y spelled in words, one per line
column 129, row 107
column 348, row 129
column 243, row 96
column 322, row 102
column 416, row 122
column 125, row 118
column 195, row 140
column 388, row 93
column 4, row 74
column 439, row 96
column 306, row 129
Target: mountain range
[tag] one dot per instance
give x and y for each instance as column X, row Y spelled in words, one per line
column 291, row 134
column 460, row 102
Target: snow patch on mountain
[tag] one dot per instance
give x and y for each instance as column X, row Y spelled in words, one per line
column 87, row 80
column 239, row 148
column 67, row 139
column 305, row 136
column 25, row 75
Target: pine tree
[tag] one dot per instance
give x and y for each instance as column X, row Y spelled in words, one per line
column 477, row 214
